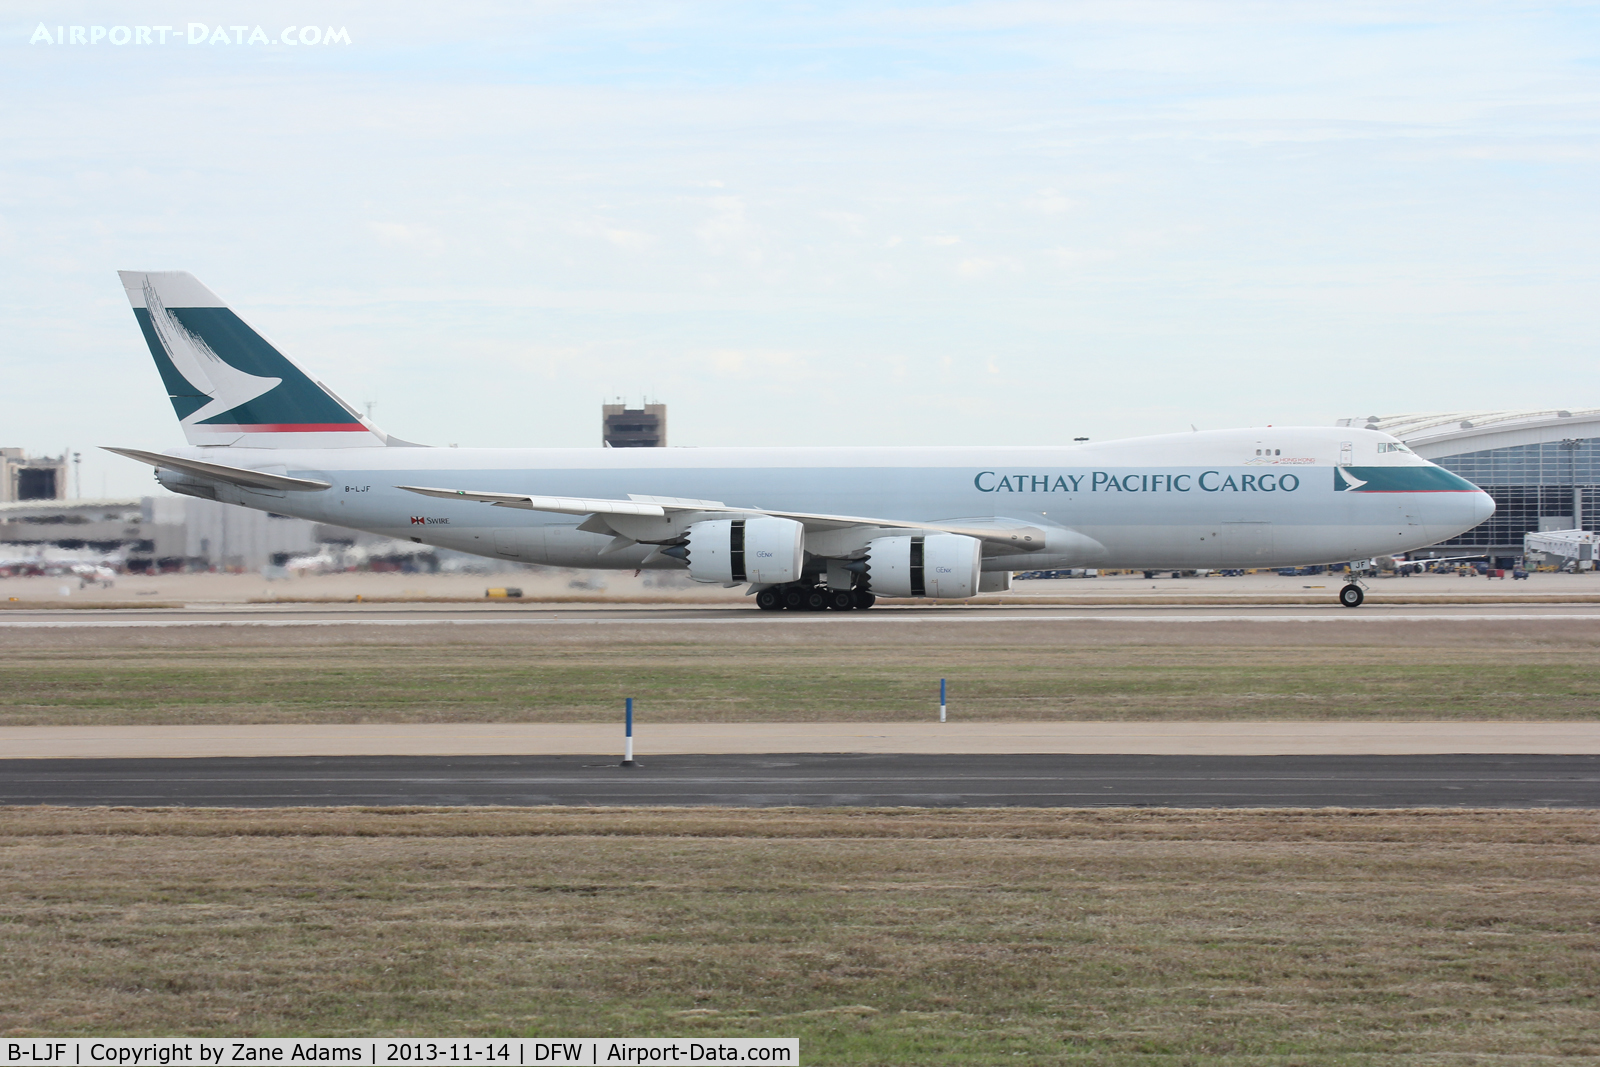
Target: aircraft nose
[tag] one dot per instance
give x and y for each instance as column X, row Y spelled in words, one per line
column 1482, row 507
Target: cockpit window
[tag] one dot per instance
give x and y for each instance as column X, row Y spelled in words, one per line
column 1392, row 446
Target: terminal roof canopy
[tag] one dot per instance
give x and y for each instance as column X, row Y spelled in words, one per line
column 1436, row 434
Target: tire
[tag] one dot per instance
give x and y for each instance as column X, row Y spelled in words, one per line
column 794, row 597
column 841, row 599
column 864, row 599
column 1351, row 596
column 817, row 599
column 769, row 600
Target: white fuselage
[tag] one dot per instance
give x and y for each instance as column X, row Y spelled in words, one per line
column 1230, row 498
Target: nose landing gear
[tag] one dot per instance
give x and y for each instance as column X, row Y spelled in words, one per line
column 1351, row 596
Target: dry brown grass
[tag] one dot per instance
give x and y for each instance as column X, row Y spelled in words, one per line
column 867, row 672
column 876, row 936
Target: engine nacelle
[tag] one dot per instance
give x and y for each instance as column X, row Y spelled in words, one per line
column 761, row 549
column 937, row 565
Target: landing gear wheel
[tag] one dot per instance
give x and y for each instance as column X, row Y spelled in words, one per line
column 769, row 600
column 864, row 599
column 817, row 599
column 841, row 599
column 1351, row 596
column 794, row 597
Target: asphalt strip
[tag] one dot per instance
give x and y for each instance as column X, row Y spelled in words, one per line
column 815, row 780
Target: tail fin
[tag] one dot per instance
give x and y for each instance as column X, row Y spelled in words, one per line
column 227, row 383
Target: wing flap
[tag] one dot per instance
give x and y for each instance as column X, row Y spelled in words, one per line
column 564, row 505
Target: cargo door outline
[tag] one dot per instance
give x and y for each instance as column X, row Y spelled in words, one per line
column 525, row 543
column 1244, row 543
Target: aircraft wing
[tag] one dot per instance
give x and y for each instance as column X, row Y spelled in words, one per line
column 1005, row 533
column 223, row 473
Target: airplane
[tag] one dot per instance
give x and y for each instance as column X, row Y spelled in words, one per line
column 815, row 528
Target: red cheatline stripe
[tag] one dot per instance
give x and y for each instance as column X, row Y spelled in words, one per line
column 290, row 427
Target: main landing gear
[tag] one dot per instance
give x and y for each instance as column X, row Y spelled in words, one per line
column 799, row 596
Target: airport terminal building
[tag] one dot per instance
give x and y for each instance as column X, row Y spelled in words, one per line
column 1541, row 467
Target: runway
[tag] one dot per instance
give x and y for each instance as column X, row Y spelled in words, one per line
column 1473, row 781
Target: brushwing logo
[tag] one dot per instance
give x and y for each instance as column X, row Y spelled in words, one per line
column 226, row 385
column 1346, row 481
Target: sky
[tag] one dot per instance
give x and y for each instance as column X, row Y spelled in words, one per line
column 853, row 223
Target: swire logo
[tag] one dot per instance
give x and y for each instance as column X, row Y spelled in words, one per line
column 423, row 520
column 192, row 33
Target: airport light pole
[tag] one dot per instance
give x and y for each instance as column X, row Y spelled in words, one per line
column 627, row 735
column 1571, row 446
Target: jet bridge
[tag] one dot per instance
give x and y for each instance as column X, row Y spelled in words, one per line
column 1565, row 545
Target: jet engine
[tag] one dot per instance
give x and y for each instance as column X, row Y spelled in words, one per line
column 936, row 565
column 760, row 549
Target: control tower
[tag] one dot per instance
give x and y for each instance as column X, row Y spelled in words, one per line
column 625, row 427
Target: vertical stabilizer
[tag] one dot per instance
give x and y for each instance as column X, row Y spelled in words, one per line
column 228, row 384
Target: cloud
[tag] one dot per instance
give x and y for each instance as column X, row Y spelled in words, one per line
column 1049, row 202
column 978, row 267
column 729, row 232
column 1076, row 257
column 617, row 236
column 634, row 240
column 767, row 364
column 407, row 235
column 850, row 222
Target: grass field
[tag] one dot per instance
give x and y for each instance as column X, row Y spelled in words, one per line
column 876, row 937
column 1092, row 670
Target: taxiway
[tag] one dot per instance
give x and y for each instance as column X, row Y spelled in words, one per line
column 1481, row 781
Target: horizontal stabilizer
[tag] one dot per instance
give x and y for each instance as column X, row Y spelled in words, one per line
column 222, row 473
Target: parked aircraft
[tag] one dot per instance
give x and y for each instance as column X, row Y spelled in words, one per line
column 804, row 528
